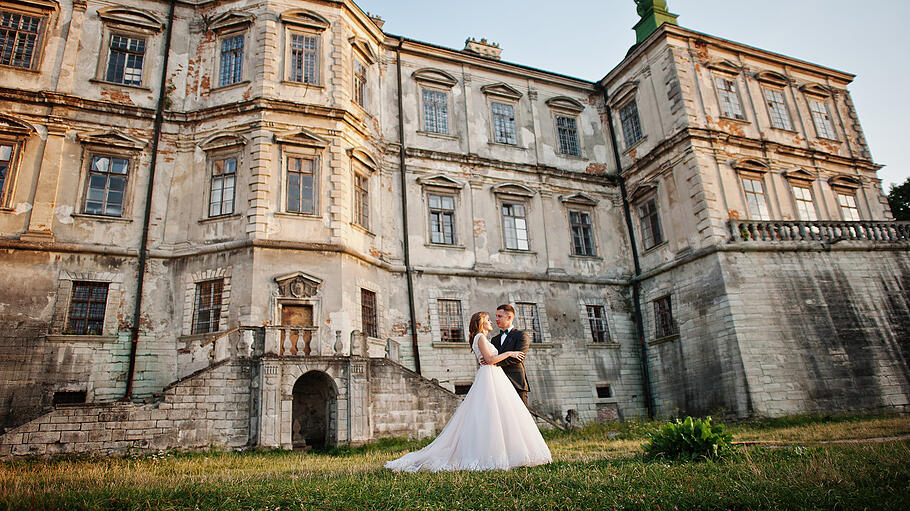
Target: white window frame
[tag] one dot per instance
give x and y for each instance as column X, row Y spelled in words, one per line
column 453, row 211
column 764, row 212
column 445, row 103
column 824, row 128
column 630, row 141
column 731, row 95
column 848, row 212
column 784, row 112
column 212, row 160
column 811, row 212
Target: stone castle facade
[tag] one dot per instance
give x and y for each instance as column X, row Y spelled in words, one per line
column 310, row 210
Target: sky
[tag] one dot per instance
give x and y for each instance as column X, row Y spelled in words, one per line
column 587, row 38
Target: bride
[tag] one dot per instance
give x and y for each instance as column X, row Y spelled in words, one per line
column 491, row 429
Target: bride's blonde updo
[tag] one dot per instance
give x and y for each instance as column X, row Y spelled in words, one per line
column 476, row 324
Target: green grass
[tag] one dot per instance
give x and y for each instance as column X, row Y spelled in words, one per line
column 598, row 467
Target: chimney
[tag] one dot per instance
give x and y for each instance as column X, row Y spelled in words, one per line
column 482, row 48
column 377, row 20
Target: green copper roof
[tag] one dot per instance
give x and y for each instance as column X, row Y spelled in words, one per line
column 653, row 14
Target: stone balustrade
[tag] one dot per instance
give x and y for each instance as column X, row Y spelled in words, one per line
column 823, row 231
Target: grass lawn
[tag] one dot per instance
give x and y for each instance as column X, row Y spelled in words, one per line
column 595, row 468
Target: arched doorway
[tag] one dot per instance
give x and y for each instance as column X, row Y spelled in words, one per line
column 313, row 412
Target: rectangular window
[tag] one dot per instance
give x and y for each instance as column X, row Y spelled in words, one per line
column 598, row 321
column 231, row 60
column 19, row 38
column 301, row 196
column 582, row 233
column 435, row 111
column 631, row 125
column 755, row 199
column 124, row 64
column 822, row 120
column 729, row 99
column 567, row 132
column 664, row 325
column 651, row 234
column 848, row 209
column 221, row 194
column 450, row 321
column 368, row 313
column 526, row 319
column 106, row 185
column 207, row 314
column 304, row 58
column 515, row 226
column 360, row 83
column 87, row 308
column 777, row 108
column 805, row 209
column 7, row 151
column 361, row 201
column 442, row 219
column 504, row 123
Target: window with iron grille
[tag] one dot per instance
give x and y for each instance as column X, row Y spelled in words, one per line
column 304, row 58
column 301, row 179
column 631, row 125
column 822, row 120
column 777, row 109
column 207, row 314
column 651, row 234
column 435, row 111
column 20, row 35
column 360, row 83
column 526, row 319
column 567, row 132
column 664, row 325
column 504, row 123
column 598, row 321
column 361, row 201
column 515, row 226
column 848, row 209
column 755, row 199
column 125, row 61
column 368, row 313
column 106, row 188
column 7, row 164
column 805, row 209
column 729, row 98
column 442, row 219
column 87, row 308
column 221, row 193
column 231, row 60
column 582, row 233
column 451, row 328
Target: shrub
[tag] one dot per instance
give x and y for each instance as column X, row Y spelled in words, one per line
column 689, row 439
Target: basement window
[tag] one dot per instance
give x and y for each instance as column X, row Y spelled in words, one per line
column 604, row 391
column 69, row 397
column 462, row 389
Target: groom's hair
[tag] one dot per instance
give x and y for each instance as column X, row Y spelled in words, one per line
column 506, row 307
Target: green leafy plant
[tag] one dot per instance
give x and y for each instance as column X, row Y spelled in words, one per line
column 689, row 439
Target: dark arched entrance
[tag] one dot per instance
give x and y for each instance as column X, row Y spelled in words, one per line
column 313, row 411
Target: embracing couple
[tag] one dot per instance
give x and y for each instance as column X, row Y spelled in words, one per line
column 492, row 428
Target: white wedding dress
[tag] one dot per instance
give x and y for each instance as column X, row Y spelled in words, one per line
column 491, row 429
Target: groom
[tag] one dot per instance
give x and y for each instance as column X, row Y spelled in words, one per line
column 512, row 339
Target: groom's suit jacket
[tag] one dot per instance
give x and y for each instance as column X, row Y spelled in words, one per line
column 516, row 340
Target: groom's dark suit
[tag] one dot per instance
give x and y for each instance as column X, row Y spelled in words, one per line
column 516, row 340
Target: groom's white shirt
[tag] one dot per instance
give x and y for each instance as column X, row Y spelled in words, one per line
column 502, row 337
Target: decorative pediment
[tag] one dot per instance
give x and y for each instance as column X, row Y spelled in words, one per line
column 565, row 103
column 799, row 175
column 436, row 77
column 578, row 198
column 40, row 5
column 15, row 127
column 724, row 66
column 364, row 158
column 301, row 136
column 503, row 90
column 297, row 285
column 221, row 140
column 623, row 92
column 848, row 182
column 642, row 191
column 816, row 89
column 305, row 18
column 131, row 16
column 513, row 189
column 772, row 78
column 750, row 165
column 230, row 20
column 111, row 138
column 439, row 181
column 364, row 49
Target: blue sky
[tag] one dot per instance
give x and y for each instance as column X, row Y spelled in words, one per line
column 586, row 38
